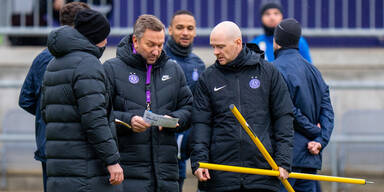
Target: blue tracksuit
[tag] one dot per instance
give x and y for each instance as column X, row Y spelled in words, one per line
column 312, row 105
column 266, row 44
column 192, row 66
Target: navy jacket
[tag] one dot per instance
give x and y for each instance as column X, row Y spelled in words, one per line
column 312, row 105
column 29, row 99
column 192, row 66
column 259, row 92
column 189, row 65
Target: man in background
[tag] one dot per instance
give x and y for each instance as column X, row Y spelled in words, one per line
column 271, row 15
column 182, row 31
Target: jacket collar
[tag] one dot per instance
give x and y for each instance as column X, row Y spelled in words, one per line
column 285, row 51
column 176, row 49
column 248, row 56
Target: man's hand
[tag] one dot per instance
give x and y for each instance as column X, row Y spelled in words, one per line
column 116, row 174
column 283, row 173
column 314, row 147
column 161, row 128
column 202, row 174
column 138, row 124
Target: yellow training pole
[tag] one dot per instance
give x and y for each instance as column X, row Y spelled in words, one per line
column 259, row 145
column 276, row 173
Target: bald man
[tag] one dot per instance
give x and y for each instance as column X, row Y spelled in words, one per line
column 242, row 77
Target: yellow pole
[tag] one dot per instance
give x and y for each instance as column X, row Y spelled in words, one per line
column 117, row 121
column 259, row 145
column 276, row 173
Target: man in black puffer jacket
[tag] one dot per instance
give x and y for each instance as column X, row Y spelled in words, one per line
column 242, row 77
column 143, row 78
column 81, row 148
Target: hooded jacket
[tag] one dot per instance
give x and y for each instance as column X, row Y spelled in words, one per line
column 149, row 158
column 257, row 89
column 77, row 112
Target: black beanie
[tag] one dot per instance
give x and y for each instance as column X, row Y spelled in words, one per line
column 270, row 5
column 93, row 25
column 287, row 33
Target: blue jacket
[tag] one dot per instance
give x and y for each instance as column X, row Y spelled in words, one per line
column 266, row 44
column 190, row 65
column 29, row 99
column 312, row 105
column 193, row 67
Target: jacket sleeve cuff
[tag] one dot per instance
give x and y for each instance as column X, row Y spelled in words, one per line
column 194, row 167
column 285, row 166
column 113, row 159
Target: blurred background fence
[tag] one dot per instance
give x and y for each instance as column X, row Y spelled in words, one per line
column 325, row 18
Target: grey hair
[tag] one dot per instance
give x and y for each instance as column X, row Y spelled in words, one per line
column 145, row 22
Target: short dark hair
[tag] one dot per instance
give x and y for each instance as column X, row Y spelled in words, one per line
column 145, row 22
column 181, row 12
column 69, row 11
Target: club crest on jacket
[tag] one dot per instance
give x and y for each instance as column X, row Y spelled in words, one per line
column 254, row 83
column 133, row 78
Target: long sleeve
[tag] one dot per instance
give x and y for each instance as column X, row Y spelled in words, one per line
column 302, row 124
column 90, row 93
column 305, row 127
column 121, row 115
column 200, row 136
column 326, row 119
column 27, row 98
column 281, row 109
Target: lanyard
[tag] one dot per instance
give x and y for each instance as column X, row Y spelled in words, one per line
column 148, row 87
column 147, row 83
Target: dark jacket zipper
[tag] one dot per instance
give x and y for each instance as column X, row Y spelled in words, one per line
column 240, row 132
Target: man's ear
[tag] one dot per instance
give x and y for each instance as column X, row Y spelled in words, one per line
column 275, row 45
column 170, row 30
column 239, row 42
column 135, row 41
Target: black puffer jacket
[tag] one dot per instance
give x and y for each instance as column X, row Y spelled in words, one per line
column 261, row 95
column 75, row 106
column 149, row 159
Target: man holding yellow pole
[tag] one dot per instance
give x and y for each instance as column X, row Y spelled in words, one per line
column 312, row 110
column 240, row 76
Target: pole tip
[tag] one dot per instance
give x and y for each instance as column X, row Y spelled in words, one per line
column 369, row 182
column 231, row 106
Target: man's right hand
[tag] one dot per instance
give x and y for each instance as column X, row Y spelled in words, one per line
column 116, row 174
column 202, row 174
column 314, row 147
column 138, row 124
